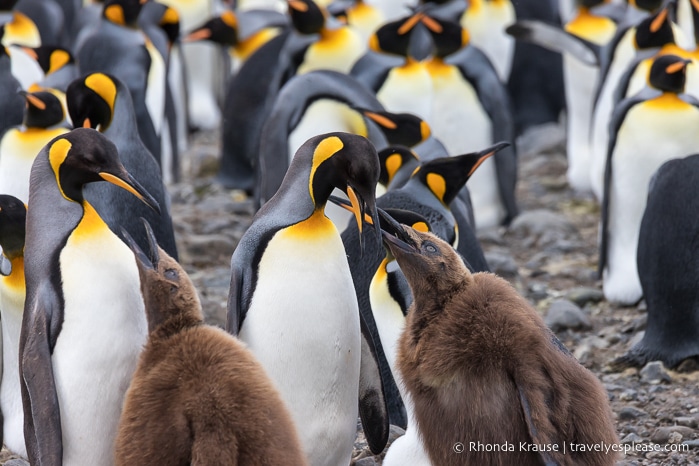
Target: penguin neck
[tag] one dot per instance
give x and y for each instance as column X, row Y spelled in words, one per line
column 15, row 279
column 243, row 49
column 123, row 124
column 669, row 101
column 175, row 324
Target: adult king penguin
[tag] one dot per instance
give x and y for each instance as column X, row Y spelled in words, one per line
column 13, row 215
column 290, row 269
column 84, row 322
column 43, row 118
column 645, row 132
column 103, row 102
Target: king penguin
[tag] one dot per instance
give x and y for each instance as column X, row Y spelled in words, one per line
column 646, row 130
column 58, row 65
column 84, row 321
column 103, row 102
column 466, row 91
column 290, row 268
column 43, row 120
column 19, row 29
column 12, row 292
column 11, row 102
column 117, row 46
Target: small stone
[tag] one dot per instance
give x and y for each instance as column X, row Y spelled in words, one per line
column 654, row 373
column 17, row 462
column 686, row 421
column 631, row 438
column 691, row 443
column 502, row 264
column 541, row 222
column 366, row 461
column 563, row 314
column 629, row 412
column 584, row 295
column 675, row 438
column 628, row 395
column 662, row 434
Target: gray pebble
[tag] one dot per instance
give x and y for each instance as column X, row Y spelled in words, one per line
column 584, row 295
column 654, row 373
column 367, row 461
column 686, row 421
column 631, row 438
column 628, row 395
column 551, row 227
column 629, row 412
column 691, row 443
column 564, row 314
column 663, row 434
column 502, row 263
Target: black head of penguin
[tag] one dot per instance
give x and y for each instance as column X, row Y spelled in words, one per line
column 392, row 159
column 221, row 30
column 668, row 73
column 654, row 31
column 646, row 5
column 50, row 58
column 122, row 12
column 7, row 5
column 589, row 3
column 394, row 37
column 448, row 36
column 43, row 109
column 84, row 156
column 13, row 215
column 90, row 100
column 400, row 129
column 306, row 16
column 170, row 24
column 446, row 176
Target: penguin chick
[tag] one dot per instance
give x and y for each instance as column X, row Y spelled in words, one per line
column 481, row 366
column 198, row 396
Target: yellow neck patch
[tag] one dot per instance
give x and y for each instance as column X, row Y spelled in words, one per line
column 229, row 18
column 170, row 17
column 324, row 150
column 90, row 224
column 421, row 226
column 247, row 47
column 668, row 101
column 381, row 272
column 104, row 87
column 115, row 14
column 58, row 59
column 314, row 226
column 437, row 185
column 393, row 163
column 15, row 280
column 596, row 29
column 57, row 155
column 21, row 31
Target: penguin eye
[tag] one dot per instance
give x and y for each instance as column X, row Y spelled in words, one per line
column 171, row 274
column 429, row 248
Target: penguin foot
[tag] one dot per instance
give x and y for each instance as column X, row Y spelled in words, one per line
column 643, row 353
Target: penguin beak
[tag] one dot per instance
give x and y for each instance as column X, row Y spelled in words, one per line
column 152, row 261
column 395, row 237
column 361, row 209
column 33, row 100
column 197, row 35
column 124, row 180
column 142, row 260
column 485, row 154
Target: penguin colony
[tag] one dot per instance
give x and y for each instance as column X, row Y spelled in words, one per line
column 383, row 309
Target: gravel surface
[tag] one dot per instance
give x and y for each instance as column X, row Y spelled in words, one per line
column 549, row 254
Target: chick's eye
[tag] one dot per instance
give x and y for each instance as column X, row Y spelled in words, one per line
column 171, row 274
column 430, row 248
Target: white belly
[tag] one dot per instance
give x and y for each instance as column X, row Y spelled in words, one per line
column 634, row 163
column 104, row 329
column 460, row 122
column 303, row 326
column 11, row 309
column 487, row 30
column 407, row 89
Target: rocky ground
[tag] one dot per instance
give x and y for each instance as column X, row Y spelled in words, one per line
column 549, row 253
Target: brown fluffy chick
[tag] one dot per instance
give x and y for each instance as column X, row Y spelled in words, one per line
column 490, row 383
column 198, row 396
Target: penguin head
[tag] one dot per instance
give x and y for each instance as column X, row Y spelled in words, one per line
column 50, row 58
column 403, row 129
column 84, row 156
column 122, row 12
column 390, row 222
column 448, row 36
column 589, row 3
column 394, row 37
column 44, row 109
column 91, row 100
column 347, row 162
column 170, row 24
column 13, row 215
column 391, row 160
column 431, row 265
column 222, row 30
column 668, row 73
column 166, row 288
column 446, row 176
column 654, row 31
column 7, row 5
column 306, row 16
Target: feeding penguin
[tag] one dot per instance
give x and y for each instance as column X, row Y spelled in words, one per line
column 84, row 323
column 197, row 389
column 118, row 47
column 431, row 192
column 310, row 104
column 12, row 292
column 646, row 130
column 43, row 120
column 290, row 268
column 471, row 110
column 480, row 364
column 666, row 258
column 103, row 102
